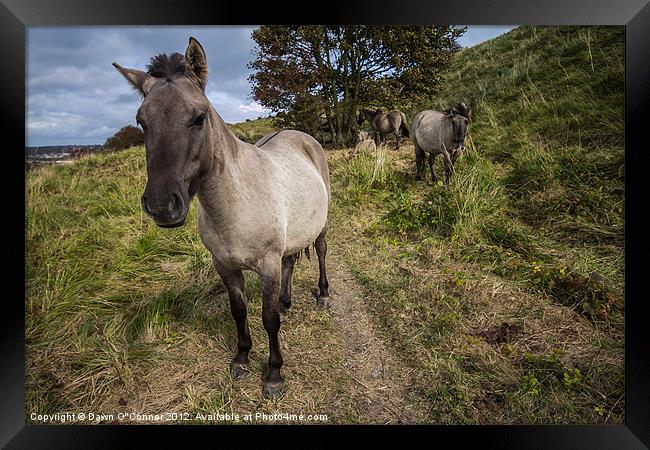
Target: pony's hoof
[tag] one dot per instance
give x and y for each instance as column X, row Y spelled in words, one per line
column 273, row 390
column 239, row 371
column 323, row 302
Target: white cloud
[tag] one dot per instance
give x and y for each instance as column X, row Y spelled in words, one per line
column 253, row 107
column 233, row 108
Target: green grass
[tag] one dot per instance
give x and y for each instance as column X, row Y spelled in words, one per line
column 252, row 130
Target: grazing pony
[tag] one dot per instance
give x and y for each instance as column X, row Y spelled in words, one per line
column 439, row 133
column 259, row 205
column 365, row 144
column 391, row 122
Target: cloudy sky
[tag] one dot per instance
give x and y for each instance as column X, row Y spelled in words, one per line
column 75, row 96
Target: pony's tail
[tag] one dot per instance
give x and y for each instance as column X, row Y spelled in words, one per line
column 405, row 131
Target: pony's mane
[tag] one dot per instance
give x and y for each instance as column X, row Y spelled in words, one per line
column 167, row 66
column 462, row 109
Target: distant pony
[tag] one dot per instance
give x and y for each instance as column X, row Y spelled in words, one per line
column 365, row 144
column 391, row 122
column 442, row 133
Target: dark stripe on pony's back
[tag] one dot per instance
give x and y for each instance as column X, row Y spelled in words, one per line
column 270, row 137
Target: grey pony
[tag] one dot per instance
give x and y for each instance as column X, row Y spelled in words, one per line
column 259, row 206
column 436, row 133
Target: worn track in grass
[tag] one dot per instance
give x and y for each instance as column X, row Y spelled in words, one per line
column 383, row 381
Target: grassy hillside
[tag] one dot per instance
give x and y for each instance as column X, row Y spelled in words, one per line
column 528, row 237
column 501, row 296
column 252, row 130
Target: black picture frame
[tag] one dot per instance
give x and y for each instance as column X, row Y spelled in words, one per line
column 16, row 15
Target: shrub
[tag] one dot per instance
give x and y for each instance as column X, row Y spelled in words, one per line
column 128, row 136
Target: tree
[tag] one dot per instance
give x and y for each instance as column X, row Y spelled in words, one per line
column 315, row 74
column 128, row 136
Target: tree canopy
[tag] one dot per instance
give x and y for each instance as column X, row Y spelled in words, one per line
column 128, row 136
column 316, row 77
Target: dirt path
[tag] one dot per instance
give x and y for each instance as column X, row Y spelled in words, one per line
column 383, row 391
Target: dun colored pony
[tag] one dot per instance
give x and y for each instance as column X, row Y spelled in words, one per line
column 439, row 133
column 365, row 144
column 382, row 123
column 259, row 206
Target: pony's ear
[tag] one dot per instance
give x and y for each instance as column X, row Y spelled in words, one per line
column 452, row 112
column 139, row 80
column 196, row 62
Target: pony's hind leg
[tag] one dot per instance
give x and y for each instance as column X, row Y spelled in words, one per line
column 234, row 281
column 432, row 160
column 270, row 271
column 419, row 162
column 288, row 263
column 323, row 284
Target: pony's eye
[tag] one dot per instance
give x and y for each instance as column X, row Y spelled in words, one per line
column 199, row 120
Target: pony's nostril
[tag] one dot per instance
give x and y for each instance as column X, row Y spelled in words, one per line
column 175, row 203
column 144, row 205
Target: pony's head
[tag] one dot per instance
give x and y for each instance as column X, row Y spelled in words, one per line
column 459, row 124
column 361, row 118
column 177, row 121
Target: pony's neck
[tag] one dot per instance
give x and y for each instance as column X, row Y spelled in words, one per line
column 370, row 115
column 219, row 185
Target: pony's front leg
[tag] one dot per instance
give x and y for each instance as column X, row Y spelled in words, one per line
column 270, row 272
column 449, row 166
column 397, row 138
column 234, row 281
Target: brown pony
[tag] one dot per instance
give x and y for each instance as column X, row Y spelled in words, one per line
column 382, row 123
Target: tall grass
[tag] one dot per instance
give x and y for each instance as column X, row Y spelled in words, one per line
column 366, row 172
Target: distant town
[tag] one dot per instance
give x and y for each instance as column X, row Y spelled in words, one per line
column 56, row 154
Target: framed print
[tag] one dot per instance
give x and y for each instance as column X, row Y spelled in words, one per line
column 424, row 217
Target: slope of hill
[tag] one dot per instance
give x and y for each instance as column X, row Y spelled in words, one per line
column 549, row 103
column 252, row 130
column 498, row 299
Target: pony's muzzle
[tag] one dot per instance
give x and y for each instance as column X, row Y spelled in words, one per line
column 167, row 212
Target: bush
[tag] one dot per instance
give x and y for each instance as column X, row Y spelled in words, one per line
column 128, row 136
